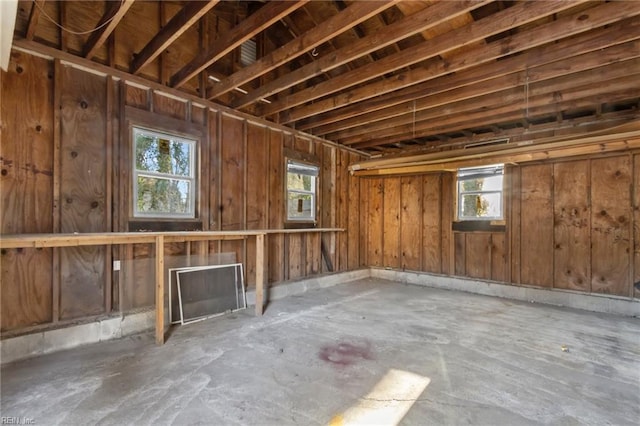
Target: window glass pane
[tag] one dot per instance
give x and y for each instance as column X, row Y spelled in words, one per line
column 161, row 195
column 300, row 182
column 484, row 205
column 493, row 183
column 155, row 154
column 300, row 206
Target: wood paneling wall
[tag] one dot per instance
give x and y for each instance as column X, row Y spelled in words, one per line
column 65, row 167
column 570, row 224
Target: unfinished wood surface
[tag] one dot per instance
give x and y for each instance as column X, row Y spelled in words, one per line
column 328, row 198
column 295, row 256
column 171, row 107
column 276, row 206
column 342, row 206
column 411, row 224
column 391, row 223
column 499, row 256
column 636, row 225
column 478, row 257
column 536, row 233
column 82, row 180
column 257, row 190
column 431, row 223
column 375, row 215
column 355, row 204
column 514, row 222
column 260, row 275
column 26, row 189
column 137, row 97
column 447, row 186
column 460, row 248
column 572, row 228
column 610, row 216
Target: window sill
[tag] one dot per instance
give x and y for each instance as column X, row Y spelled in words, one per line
column 479, row 226
column 164, row 225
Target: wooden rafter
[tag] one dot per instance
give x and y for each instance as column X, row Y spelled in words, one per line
column 261, row 19
column 571, row 69
column 517, row 15
column 353, row 15
column 181, row 22
column 549, row 103
column 410, row 25
column 109, row 21
column 390, row 105
column 562, row 27
column 34, row 17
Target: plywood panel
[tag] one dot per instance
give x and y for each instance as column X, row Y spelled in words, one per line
column 257, row 187
column 83, row 178
column 276, row 206
column 136, row 97
column 636, row 224
column 498, row 257
column 448, row 182
column 460, row 244
column 478, row 255
column 610, row 216
column 295, row 256
column 410, row 215
column 515, row 199
column 353, row 218
column 169, row 106
column 313, row 253
column 342, row 199
column 431, row 223
column 214, row 172
column 536, row 235
column 26, row 188
column 327, row 201
column 374, row 221
column 391, row 222
column 232, row 164
column 572, row 246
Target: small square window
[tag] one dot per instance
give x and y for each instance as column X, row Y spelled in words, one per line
column 480, row 193
column 301, row 191
column 164, row 183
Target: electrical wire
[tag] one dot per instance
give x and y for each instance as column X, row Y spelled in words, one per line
column 63, row 28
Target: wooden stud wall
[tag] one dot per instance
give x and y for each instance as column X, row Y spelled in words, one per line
column 570, row 224
column 65, row 161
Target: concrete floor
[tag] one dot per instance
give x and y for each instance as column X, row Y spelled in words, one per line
column 333, row 355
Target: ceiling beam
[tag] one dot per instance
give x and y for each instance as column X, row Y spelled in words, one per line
column 582, row 97
column 353, row 15
column 517, row 15
column 109, row 21
column 427, row 18
column 34, row 17
column 385, row 106
column 264, row 17
column 582, row 21
column 423, row 108
column 181, row 22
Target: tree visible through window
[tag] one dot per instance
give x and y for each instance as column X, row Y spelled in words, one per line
column 164, row 175
column 480, row 193
column 301, row 191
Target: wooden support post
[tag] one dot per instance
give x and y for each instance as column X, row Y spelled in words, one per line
column 160, row 290
column 259, row 274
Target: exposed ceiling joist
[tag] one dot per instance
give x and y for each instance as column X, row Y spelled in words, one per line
column 249, row 27
column 34, row 16
column 181, row 22
column 108, row 23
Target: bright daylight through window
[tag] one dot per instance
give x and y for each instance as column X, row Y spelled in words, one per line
column 480, row 193
column 163, row 175
column 301, row 191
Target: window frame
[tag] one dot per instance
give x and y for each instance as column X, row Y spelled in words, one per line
column 314, row 194
column 481, row 171
column 193, row 177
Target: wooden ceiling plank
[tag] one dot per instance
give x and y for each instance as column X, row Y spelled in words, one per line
column 34, row 17
column 563, row 27
column 247, row 28
column 114, row 14
column 571, row 69
column 353, row 15
column 181, row 22
column 349, row 116
column 406, row 27
column 625, row 88
column 517, row 15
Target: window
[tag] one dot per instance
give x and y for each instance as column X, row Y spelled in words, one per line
column 301, row 191
column 480, row 193
column 163, row 175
